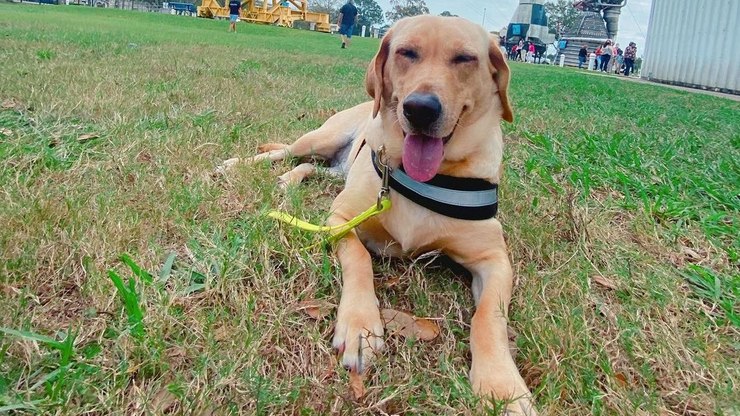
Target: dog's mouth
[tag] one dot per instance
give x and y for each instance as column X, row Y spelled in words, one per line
column 423, row 155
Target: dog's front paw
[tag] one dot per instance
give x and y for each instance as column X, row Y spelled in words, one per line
column 226, row 165
column 518, row 399
column 358, row 335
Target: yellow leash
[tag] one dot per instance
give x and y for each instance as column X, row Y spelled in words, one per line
column 337, row 232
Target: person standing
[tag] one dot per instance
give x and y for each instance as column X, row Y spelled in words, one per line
column 606, row 55
column 531, row 53
column 519, row 49
column 630, row 53
column 582, row 56
column 618, row 59
column 346, row 22
column 234, row 8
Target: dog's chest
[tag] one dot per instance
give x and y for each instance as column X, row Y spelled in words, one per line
column 412, row 229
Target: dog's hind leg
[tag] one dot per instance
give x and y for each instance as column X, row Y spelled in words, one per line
column 270, row 151
column 303, row 171
column 271, row 146
column 324, row 142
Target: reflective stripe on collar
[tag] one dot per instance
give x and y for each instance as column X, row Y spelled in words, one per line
column 462, row 198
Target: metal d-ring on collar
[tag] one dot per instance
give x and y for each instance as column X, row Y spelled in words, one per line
column 461, row 198
column 384, row 175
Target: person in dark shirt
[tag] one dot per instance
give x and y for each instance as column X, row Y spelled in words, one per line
column 582, row 56
column 346, row 22
column 234, row 7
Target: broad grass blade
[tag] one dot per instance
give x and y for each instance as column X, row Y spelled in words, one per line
column 164, row 274
column 142, row 274
column 130, row 303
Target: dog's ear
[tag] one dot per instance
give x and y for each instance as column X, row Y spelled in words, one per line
column 501, row 75
column 374, row 77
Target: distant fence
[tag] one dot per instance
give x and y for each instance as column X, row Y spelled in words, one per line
column 142, row 6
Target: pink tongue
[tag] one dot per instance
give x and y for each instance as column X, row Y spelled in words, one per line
column 422, row 156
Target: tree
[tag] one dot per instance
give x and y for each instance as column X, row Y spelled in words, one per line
column 446, row 13
column 406, row 8
column 330, row 7
column 561, row 15
column 370, row 14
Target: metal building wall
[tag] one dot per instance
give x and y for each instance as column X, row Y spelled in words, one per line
column 694, row 43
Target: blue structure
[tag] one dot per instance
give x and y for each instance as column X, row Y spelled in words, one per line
column 183, row 8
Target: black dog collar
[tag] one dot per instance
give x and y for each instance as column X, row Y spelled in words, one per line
column 461, row 198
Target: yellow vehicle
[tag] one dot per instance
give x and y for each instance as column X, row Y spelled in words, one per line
column 272, row 12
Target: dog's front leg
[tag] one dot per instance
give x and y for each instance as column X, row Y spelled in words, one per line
column 493, row 372
column 358, row 334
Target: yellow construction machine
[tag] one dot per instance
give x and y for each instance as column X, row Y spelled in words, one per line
column 271, row 12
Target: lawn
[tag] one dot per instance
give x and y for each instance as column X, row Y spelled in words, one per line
column 134, row 281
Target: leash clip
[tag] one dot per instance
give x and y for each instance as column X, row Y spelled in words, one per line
column 384, row 188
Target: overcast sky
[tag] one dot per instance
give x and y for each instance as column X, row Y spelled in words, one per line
column 632, row 23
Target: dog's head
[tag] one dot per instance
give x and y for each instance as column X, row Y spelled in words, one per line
column 436, row 76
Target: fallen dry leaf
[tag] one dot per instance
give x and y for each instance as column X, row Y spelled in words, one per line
column 315, row 308
column 621, row 379
column 6, row 132
column 85, row 137
column 512, row 335
column 222, row 333
column 692, row 255
column 605, row 282
column 8, row 104
column 9, row 290
column 386, row 283
column 393, row 281
column 176, row 352
column 162, row 401
column 356, row 385
column 408, row 326
column 55, row 141
column 210, row 411
column 608, row 314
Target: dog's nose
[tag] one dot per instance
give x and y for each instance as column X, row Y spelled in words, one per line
column 421, row 110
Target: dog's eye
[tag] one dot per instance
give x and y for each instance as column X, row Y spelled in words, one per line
column 464, row 58
column 408, row 53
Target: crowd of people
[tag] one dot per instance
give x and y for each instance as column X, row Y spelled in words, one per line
column 611, row 58
column 523, row 51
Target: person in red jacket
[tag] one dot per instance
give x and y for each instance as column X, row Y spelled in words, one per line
column 532, row 50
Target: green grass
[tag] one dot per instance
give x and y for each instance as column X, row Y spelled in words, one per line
column 113, row 125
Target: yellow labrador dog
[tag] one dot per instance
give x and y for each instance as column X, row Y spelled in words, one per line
column 439, row 89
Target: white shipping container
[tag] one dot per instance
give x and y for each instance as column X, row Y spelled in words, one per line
column 694, row 43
